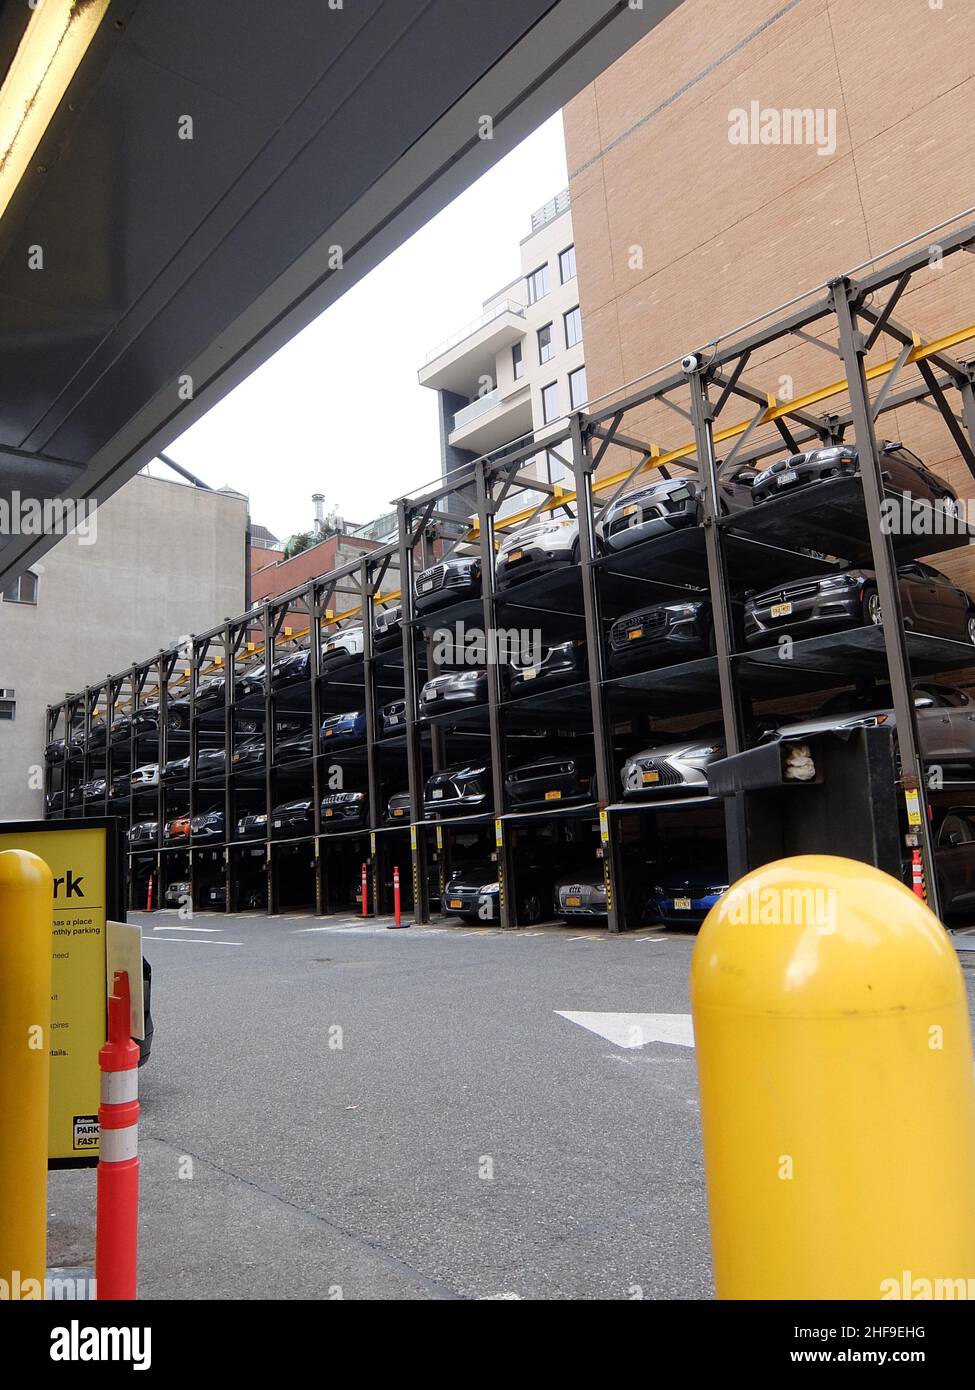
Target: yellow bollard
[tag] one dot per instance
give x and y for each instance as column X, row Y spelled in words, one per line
column 26, row 915
column 837, row 1091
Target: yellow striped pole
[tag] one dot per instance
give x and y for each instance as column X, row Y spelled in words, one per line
column 26, row 914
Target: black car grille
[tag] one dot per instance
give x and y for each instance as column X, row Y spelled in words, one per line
column 539, row 772
column 788, row 594
column 437, row 574
column 652, row 622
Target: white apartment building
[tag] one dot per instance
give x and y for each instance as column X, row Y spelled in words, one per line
column 520, row 367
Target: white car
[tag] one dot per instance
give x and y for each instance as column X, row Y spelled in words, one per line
column 344, row 645
column 146, row 776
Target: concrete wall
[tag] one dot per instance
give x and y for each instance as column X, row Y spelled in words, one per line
column 682, row 235
column 167, row 560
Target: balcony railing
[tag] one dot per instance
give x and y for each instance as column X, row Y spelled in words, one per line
column 479, row 407
column 506, row 306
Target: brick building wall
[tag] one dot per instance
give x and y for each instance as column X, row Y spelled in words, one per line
column 682, row 235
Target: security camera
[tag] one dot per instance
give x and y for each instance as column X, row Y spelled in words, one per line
column 691, row 362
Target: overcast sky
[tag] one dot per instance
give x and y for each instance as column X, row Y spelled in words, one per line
column 339, row 410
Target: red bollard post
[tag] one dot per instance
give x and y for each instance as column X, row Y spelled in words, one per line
column 396, row 902
column 917, row 876
column 365, row 892
column 149, row 893
column 117, row 1220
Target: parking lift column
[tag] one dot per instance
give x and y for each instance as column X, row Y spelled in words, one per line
column 502, row 845
column 414, row 751
column 846, row 296
column 582, row 465
column 702, row 416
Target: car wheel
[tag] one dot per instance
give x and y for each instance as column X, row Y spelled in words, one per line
column 971, row 628
column 872, row 615
column 530, row 910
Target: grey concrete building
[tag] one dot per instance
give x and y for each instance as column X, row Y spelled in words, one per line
column 164, row 559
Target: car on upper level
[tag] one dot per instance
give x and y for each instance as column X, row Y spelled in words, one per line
column 208, row 825
column 290, row 669
column 177, row 830
column 553, row 780
column 537, row 548
column 661, row 634
column 675, row 766
column 176, row 770
column 945, row 719
column 398, row 808
column 58, row 748
column 457, row 688
column 211, row 762
column 209, row 696
column 565, row 663
column 387, row 628
column 670, row 504
column 340, row 730
column 461, row 789
column 392, row 717
column 293, row 819
column 930, row 603
column 144, row 833
column 145, row 777
column 248, row 754
column 252, row 826
column 900, row 469
column 344, row 811
column 448, row 581
column 143, row 719
column 293, row 750
column 343, row 648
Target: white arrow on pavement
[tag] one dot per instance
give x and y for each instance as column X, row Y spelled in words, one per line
column 635, row 1030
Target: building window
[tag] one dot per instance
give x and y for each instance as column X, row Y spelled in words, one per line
column 518, row 361
column 22, row 590
column 567, row 264
column 578, row 391
column 557, row 470
column 8, row 705
column 546, row 343
column 573, row 327
column 550, row 403
column 537, row 284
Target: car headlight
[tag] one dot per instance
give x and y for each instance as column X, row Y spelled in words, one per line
column 491, row 888
column 470, row 677
column 838, row 581
column 682, row 610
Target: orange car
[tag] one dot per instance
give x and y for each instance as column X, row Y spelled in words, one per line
column 177, row 829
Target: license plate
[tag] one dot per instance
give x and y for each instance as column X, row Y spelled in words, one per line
column 573, row 902
column 329, row 733
column 432, row 695
column 392, row 719
column 634, row 633
column 515, row 555
column 780, row 610
column 649, row 777
column 278, row 824
column 399, row 811
column 682, row 904
column 437, row 794
column 553, row 796
column 784, row 479
column 529, row 673
column 456, row 902
column 329, row 813
column 426, row 586
column 630, row 511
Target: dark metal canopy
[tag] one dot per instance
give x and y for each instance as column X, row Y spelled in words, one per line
column 171, row 267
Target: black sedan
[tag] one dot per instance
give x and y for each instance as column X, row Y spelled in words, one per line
column 344, row 811
column 660, row 634
column 59, row 748
column 293, row 750
column 290, row 669
column 293, row 818
column 393, row 717
column 461, row 789
column 562, row 664
column 387, row 631
column 931, row 603
column 551, row 781
column 210, row 762
column 460, row 688
column 398, row 808
column 900, row 469
column 252, row 826
column 447, row 582
column 207, row 826
column 341, row 730
column 249, row 754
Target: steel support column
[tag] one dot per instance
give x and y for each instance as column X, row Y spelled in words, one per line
column 502, row 844
column 845, row 296
column 583, row 468
column 702, row 416
column 414, row 746
column 373, row 780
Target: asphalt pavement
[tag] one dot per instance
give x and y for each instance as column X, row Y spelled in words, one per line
column 338, row 1110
